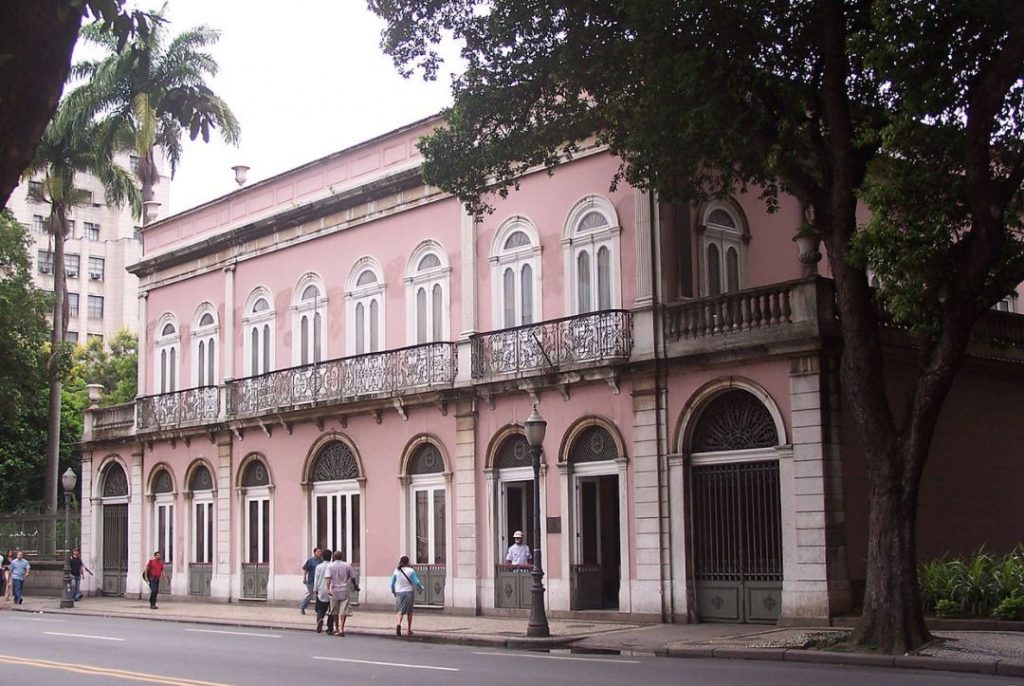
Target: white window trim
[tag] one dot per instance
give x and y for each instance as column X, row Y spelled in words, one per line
column 431, row 483
column 251, row 321
column 204, row 499
column 259, row 493
column 414, row 280
column 365, row 295
column 205, row 334
column 517, row 258
column 169, row 343
column 347, row 487
column 303, row 308
column 724, row 238
column 573, row 243
column 164, row 500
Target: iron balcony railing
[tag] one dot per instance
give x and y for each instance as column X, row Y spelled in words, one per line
column 597, row 337
column 178, row 407
column 417, row 367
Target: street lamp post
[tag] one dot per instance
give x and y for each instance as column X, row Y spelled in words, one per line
column 535, row 428
column 68, row 480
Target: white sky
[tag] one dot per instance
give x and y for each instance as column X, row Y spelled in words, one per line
column 304, row 78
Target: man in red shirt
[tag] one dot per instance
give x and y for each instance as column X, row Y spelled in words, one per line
column 154, row 570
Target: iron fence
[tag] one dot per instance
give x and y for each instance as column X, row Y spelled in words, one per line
column 39, row 536
column 178, row 407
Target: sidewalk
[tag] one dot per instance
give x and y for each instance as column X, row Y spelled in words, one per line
column 986, row 652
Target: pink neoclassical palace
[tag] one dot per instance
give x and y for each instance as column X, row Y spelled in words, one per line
column 340, row 356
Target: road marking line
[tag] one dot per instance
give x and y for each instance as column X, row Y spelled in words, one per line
column 98, row 638
column 233, row 633
column 103, row 671
column 562, row 657
column 387, row 664
column 36, row 619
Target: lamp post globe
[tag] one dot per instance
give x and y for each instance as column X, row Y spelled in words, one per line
column 68, row 481
column 535, row 430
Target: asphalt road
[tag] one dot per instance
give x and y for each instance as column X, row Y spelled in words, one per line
column 87, row 651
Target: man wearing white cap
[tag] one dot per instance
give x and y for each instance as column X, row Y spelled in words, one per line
column 518, row 552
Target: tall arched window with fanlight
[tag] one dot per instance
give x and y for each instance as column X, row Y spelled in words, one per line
column 201, row 489
column 365, row 308
column 515, row 274
column 723, row 249
column 591, row 243
column 309, row 321
column 427, row 293
column 162, row 518
column 258, row 325
column 205, row 349
column 426, row 481
column 167, row 354
column 335, row 501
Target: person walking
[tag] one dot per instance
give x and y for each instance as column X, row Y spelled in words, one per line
column 308, row 570
column 5, row 570
column 518, row 552
column 4, row 562
column 19, row 572
column 339, row 575
column 154, row 570
column 77, row 564
column 323, row 600
column 403, row 582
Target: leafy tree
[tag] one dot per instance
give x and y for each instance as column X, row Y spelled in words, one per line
column 73, row 143
column 23, row 336
column 36, row 42
column 113, row 364
column 913, row 107
column 158, row 89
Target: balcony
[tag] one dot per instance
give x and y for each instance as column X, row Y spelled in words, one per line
column 192, row 405
column 416, row 368
column 114, row 417
column 586, row 340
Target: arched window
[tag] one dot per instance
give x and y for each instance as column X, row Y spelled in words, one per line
column 513, row 468
column 115, row 482
column 723, row 250
column 202, row 538
column 336, row 500
column 205, row 349
column 309, row 321
column 257, row 525
column 591, row 243
column 428, row 505
column 365, row 307
column 734, row 420
column 427, row 294
column 259, row 327
column 515, row 273
column 162, row 518
column 167, row 351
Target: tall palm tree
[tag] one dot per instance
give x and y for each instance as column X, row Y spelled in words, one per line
column 73, row 143
column 159, row 90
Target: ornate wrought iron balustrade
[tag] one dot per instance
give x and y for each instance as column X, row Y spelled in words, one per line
column 587, row 338
column 113, row 417
column 179, row 407
column 755, row 308
column 406, row 369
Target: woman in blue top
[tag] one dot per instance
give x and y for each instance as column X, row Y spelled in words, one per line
column 403, row 581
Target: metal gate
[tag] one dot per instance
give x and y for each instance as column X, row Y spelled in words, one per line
column 115, row 549
column 737, row 541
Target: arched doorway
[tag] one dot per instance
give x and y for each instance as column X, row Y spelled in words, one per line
column 114, row 503
column 162, row 520
column 736, row 523
column 427, row 492
column 257, row 533
column 512, row 467
column 593, row 464
column 336, row 502
column 200, row 566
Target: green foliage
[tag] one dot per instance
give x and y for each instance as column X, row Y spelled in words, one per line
column 976, row 586
column 1010, row 608
column 112, row 363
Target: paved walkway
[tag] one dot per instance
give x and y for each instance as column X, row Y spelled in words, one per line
column 988, row 652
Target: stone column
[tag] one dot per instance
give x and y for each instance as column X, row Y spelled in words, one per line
column 137, row 543
column 464, row 581
column 87, row 526
column 815, row 580
column 224, row 571
column 650, row 592
column 644, row 277
column 228, row 370
column 143, row 357
column 469, row 275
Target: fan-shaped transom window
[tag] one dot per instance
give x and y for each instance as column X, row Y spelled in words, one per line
column 426, row 460
column 591, row 243
column 255, row 475
column 261, row 305
column 206, row 319
column 427, row 298
column 201, row 479
column 734, row 420
column 594, row 444
column 517, row 239
column 720, row 217
column 310, row 292
column 162, row 482
column 115, row 483
column 366, row 278
column 335, row 462
column 514, row 452
column 168, row 330
column 592, row 221
column 429, row 261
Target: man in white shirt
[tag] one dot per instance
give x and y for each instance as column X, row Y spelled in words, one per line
column 518, row 552
column 323, row 600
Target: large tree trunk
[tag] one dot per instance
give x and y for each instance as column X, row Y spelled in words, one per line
column 892, row 621
column 58, row 222
column 36, row 40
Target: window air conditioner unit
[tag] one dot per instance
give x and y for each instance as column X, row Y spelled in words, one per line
column 95, row 276
column 70, row 273
column 44, row 269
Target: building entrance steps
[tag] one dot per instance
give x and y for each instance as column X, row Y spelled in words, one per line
column 990, row 652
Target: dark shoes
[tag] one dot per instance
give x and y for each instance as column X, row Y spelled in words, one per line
column 302, row 610
column 398, row 630
column 319, row 625
column 153, row 607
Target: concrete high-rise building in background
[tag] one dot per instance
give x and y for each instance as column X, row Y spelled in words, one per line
column 102, row 240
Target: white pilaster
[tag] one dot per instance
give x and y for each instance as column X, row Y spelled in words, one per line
column 228, row 372
column 137, row 543
column 469, row 275
column 647, row 591
column 464, row 580
column 644, row 278
column 143, row 357
column 223, row 570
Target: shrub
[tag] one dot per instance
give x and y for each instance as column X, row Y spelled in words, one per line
column 947, row 608
column 973, row 586
column 1010, row 608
